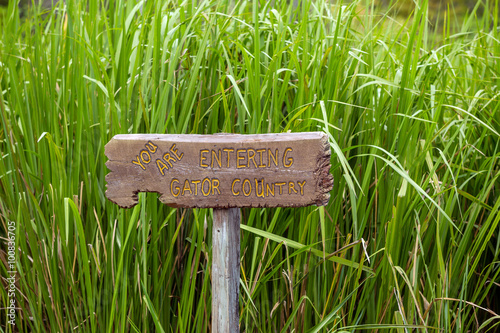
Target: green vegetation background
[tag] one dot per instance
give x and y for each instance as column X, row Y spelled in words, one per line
column 410, row 238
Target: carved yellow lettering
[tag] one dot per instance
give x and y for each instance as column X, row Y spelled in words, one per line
column 227, row 151
column 287, row 162
column 261, row 158
column 269, row 189
column 270, row 155
column 251, row 157
column 291, row 187
column 232, row 187
column 261, row 194
column 174, row 151
column 301, row 187
column 146, row 153
column 176, row 188
column 215, row 185
column 167, row 157
column 281, row 186
column 202, row 158
column 245, row 193
column 240, row 158
column 139, row 163
column 187, row 187
column 196, row 182
column 151, row 147
column 217, row 158
column 207, row 193
column 161, row 166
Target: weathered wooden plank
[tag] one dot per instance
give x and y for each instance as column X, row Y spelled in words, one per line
column 225, row 270
column 222, row 170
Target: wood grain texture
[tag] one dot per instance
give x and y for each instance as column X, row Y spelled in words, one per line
column 225, row 270
column 221, row 170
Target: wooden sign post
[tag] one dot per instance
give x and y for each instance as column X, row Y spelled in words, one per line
column 224, row 172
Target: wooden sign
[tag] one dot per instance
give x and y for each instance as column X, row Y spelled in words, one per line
column 221, row 170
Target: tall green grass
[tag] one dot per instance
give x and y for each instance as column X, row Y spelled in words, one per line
column 409, row 241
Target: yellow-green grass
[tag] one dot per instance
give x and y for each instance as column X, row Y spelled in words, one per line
column 414, row 126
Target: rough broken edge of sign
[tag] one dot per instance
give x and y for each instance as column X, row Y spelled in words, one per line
column 324, row 180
